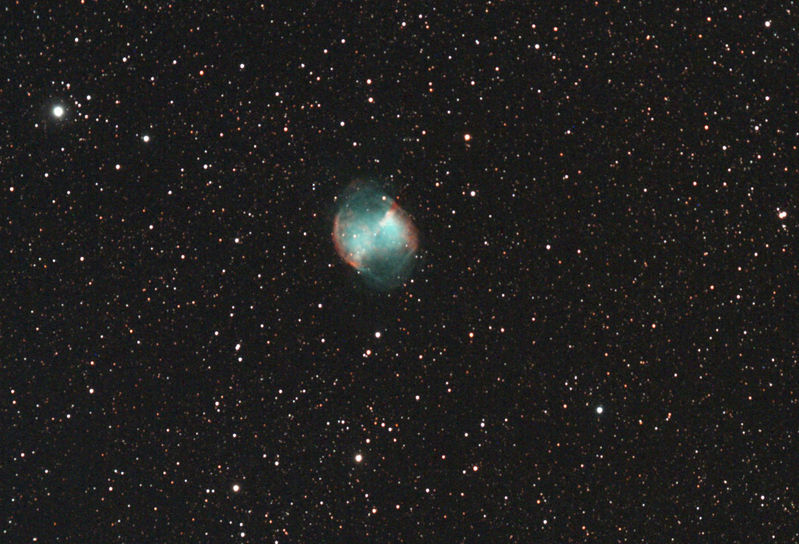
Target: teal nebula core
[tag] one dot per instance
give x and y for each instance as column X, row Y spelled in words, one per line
column 375, row 236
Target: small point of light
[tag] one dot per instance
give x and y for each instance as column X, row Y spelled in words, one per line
column 236, row 488
column 358, row 458
column 377, row 334
column 58, row 111
column 768, row 24
column 145, row 138
column 467, row 137
column 599, row 409
column 783, row 214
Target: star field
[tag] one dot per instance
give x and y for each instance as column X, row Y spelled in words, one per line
column 597, row 341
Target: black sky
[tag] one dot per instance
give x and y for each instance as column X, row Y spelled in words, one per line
column 599, row 340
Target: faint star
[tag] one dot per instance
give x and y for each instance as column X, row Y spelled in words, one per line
column 358, row 458
column 236, row 488
column 599, row 409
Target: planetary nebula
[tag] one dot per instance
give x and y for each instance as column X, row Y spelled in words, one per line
column 375, row 236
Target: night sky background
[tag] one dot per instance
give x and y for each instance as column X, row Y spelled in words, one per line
column 598, row 342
